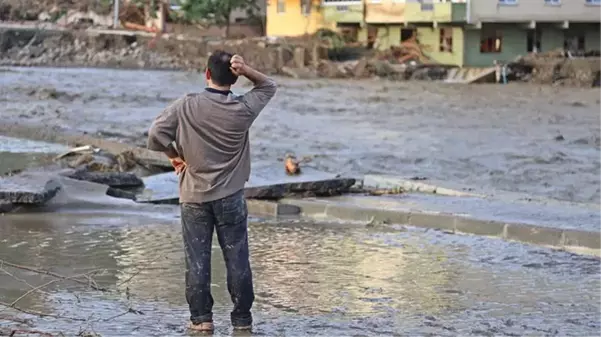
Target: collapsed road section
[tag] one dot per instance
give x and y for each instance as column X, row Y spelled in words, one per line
column 370, row 200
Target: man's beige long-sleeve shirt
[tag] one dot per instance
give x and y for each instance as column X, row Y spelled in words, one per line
column 210, row 131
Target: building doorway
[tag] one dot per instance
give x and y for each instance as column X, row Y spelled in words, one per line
column 533, row 41
column 407, row 34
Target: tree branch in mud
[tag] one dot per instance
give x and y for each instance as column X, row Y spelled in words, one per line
column 17, row 332
column 90, row 283
column 15, row 319
column 32, row 290
column 83, row 279
column 139, row 270
column 41, row 314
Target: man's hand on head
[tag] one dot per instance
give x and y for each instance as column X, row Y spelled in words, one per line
column 238, row 66
column 178, row 164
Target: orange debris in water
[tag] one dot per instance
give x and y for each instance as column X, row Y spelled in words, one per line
column 291, row 165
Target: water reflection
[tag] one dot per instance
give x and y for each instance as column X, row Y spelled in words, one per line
column 310, row 279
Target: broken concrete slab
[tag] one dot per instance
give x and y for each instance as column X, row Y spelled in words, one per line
column 112, row 179
column 320, row 188
column 265, row 183
column 28, row 188
column 119, row 193
column 6, row 206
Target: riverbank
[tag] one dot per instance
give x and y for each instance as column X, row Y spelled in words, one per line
column 311, row 57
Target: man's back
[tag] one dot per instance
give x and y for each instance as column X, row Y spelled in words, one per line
column 212, row 138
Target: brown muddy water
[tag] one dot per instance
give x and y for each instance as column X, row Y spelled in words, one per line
column 315, row 279
column 538, row 140
column 311, row 279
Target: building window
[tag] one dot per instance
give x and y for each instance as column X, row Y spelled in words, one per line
column 574, row 44
column 306, row 7
column 491, row 42
column 446, row 40
column 426, row 5
column 553, row 2
column 593, row 2
column 407, row 34
column 281, row 6
column 533, row 41
column 349, row 32
column 508, row 2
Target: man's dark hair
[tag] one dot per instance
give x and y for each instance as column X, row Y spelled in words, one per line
column 219, row 66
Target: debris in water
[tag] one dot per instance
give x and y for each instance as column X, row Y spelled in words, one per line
column 292, row 165
column 79, row 150
column 395, row 190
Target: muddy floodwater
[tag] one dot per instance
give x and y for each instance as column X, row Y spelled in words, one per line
column 312, row 278
column 539, row 140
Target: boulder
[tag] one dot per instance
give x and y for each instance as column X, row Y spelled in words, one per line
column 32, row 189
column 112, row 179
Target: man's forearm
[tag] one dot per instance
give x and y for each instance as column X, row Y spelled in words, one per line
column 255, row 76
column 171, row 152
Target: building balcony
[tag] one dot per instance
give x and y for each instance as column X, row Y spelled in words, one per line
column 342, row 11
column 435, row 12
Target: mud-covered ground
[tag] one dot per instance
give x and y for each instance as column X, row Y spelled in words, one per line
column 539, row 140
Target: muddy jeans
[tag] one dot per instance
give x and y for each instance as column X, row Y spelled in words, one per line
column 229, row 217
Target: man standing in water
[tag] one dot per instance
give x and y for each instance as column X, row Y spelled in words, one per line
column 205, row 136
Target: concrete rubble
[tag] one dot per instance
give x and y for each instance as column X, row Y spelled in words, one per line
column 413, row 201
column 163, row 188
column 27, row 189
column 558, row 68
column 305, row 59
column 19, row 10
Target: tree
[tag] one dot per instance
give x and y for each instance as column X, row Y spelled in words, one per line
column 216, row 12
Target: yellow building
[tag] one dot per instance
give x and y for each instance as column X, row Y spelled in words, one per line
column 437, row 26
column 294, row 17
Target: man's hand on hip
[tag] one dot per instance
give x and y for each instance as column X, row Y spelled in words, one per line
column 178, row 164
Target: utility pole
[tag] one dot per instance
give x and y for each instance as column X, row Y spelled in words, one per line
column 116, row 14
